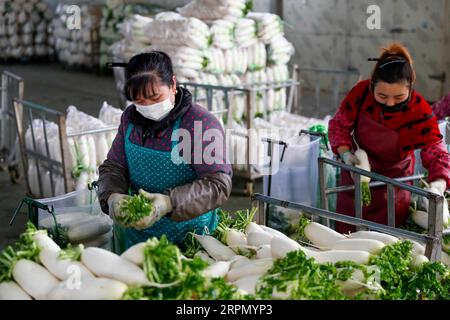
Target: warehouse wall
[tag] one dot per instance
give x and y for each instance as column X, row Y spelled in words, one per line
column 333, row 34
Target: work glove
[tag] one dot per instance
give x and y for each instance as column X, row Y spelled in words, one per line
column 440, row 185
column 161, row 206
column 115, row 201
column 349, row 158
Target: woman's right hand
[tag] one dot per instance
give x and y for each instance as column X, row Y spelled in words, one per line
column 114, row 205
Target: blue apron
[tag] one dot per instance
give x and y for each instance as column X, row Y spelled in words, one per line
column 155, row 172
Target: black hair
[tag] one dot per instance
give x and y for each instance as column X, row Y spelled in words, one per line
column 145, row 72
column 393, row 66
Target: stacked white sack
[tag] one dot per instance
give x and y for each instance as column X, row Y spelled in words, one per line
column 222, row 32
column 269, row 26
column 189, row 32
column 280, row 51
column 76, row 47
column 24, row 29
column 245, row 33
column 211, row 10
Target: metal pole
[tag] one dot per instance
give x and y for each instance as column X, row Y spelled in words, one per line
column 391, row 205
column 323, row 187
column 18, row 111
column 65, row 155
column 435, row 224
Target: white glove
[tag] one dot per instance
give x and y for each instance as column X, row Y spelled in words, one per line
column 115, row 201
column 162, row 206
column 440, row 185
column 349, row 158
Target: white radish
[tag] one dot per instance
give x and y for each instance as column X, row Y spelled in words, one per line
column 217, row 270
column 264, row 251
column 418, row 260
column 215, row 248
column 371, row 246
column 33, row 278
column 99, row 241
column 106, row 264
column 445, row 258
column 253, row 267
column 364, row 164
column 321, row 235
column 259, row 238
column 334, row 256
column 248, row 283
column 272, row 231
column 385, row 238
column 11, row 291
column 417, row 248
column 356, row 281
column 85, row 230
column 89, row 289
column 204, row 256
column 280, row 247
column 420, row 218
column 252, row 227
column 135, row 254
column 235, row 239
column 44, row 241
column 62, row 269
column 239, row 261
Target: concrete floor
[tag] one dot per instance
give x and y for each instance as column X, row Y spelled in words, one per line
column 50, row 85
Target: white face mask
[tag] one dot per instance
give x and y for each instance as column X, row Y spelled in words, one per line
column 156, row 111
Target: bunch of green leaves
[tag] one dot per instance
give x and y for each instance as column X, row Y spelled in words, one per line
column 135, row 208
column 394, row 266
column 366, row 195
column 190, row 246
column 79, row 166
column 24, row 248
column 178, row 278
column 248, row 7
column 430, row 282
column 71, row 252
column 301, row 278
column 300, row 232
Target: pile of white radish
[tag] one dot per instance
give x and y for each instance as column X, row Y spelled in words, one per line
column 100, row 275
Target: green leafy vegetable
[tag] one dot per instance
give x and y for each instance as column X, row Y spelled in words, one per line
column 25, row 248
column 135, row 209
column 71, row 252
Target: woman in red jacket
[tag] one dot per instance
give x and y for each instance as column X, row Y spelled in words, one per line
column 389, row 120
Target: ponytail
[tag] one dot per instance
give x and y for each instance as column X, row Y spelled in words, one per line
column 394, row 65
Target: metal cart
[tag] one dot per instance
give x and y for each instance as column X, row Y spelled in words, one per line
column 432, row 239
column 25, row 114
column 12, row 86
column 205, row 94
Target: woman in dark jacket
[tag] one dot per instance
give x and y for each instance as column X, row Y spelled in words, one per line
column 145, row 156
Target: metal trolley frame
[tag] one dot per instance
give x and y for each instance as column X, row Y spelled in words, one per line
column 25, row 113
column 432, row 239
column 12, row 86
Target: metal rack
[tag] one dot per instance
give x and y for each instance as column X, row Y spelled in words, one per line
column 249, row 93
column 25, row 114
column 432, row 239
column 12, row 86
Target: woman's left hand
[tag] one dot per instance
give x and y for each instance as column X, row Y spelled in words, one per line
column 162, row 206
